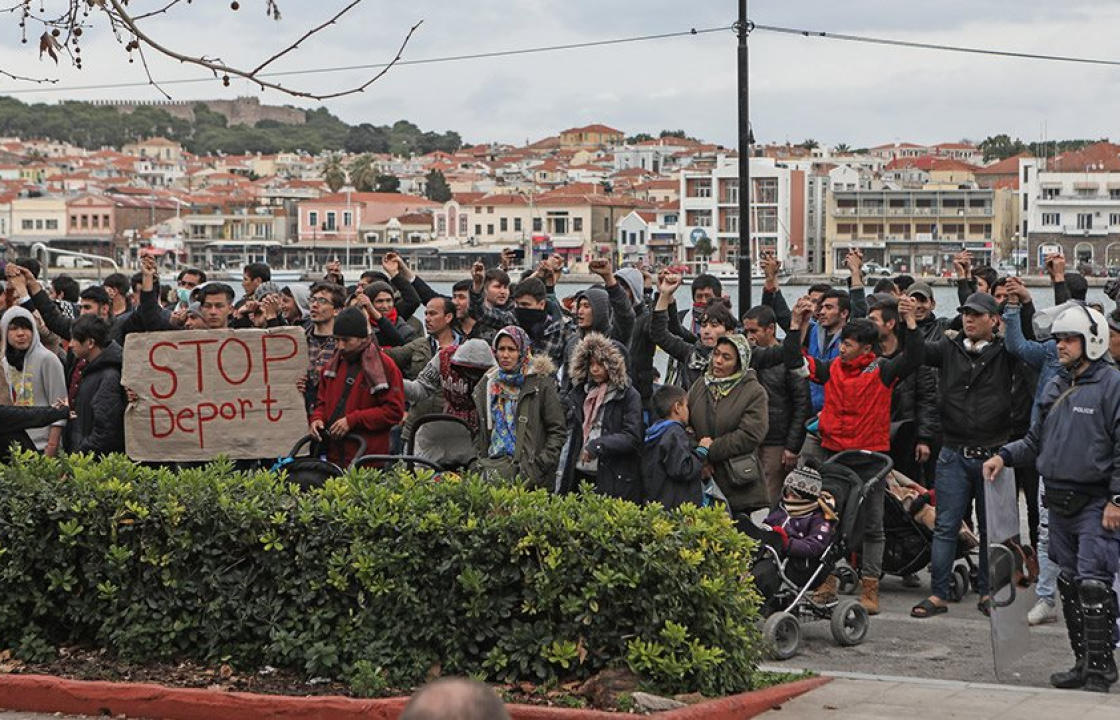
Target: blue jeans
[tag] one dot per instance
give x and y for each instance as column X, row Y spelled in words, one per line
column 959, row 482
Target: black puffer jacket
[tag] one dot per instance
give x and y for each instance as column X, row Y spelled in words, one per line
column 975, row 391
column 789, row 406
column 100, row 404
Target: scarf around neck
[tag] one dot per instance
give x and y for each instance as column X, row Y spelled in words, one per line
column 722, row 387
column 503, row 393
column 592, row 405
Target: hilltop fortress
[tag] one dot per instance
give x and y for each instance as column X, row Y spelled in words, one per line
column 242, row 111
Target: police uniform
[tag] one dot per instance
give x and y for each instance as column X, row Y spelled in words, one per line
column 1075, row 443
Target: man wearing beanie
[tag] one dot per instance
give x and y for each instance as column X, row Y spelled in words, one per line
column 361, row 392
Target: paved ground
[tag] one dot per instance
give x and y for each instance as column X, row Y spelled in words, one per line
column 850, row 698
column 953, row 646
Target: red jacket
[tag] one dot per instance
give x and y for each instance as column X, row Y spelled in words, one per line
column 857, row 395
column 857, row 405
column 370, row 416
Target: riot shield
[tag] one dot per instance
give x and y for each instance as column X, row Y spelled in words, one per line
column 1007, row 581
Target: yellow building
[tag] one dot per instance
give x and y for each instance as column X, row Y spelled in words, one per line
column 591, row 136
column 918, row 231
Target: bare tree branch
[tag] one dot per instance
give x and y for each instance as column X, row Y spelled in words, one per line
column 64, row 33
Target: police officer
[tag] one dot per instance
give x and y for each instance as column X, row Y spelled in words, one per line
column 1076, row 444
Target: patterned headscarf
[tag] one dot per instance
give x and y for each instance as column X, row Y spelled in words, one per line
column 722, row 387
column 504, row 391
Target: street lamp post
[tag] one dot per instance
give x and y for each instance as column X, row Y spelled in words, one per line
column 742, row 29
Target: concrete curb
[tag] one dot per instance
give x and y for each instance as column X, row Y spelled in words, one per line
column 48, row 694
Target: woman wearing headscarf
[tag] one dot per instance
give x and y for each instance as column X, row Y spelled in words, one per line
column 521, row 421
column 604, row 422
column 728, row 412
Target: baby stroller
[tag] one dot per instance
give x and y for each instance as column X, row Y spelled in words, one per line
column 442, row 443
column 786, row 583
column 909, row 544
column 312, row 470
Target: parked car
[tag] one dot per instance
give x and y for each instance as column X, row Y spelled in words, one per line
column 874, row 268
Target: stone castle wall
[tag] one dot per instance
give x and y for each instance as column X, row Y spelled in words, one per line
column 242, row 111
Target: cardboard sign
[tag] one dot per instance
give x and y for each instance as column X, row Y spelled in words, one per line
column 208, row 392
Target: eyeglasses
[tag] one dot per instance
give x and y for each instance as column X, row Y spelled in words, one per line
column 320, row 301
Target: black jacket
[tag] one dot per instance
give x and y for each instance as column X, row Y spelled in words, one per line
column 618, row 448
column 100, row 404
column 975, row 391
column 671, row 470
column 789, row 408
column 693, row 358
column 914, row 399
column 15, row 420
column 642, row 350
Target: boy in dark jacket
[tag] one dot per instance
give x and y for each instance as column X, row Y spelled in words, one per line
column 95, row 391
column 671, row 468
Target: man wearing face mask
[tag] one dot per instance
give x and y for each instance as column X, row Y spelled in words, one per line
column 549, row 335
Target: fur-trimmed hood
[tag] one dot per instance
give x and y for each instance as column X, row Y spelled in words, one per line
column 597, row 346
column 538, row 365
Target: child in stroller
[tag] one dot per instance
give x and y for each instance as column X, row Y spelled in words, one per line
column 817, row 528
column 798, row 531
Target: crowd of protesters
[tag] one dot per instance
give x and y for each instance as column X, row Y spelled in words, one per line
column 560, row 392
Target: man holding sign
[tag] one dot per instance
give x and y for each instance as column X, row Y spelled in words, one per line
column 361, row 392
column 200, row 393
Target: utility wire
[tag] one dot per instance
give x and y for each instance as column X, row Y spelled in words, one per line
column 933, row 46
column 422, row 61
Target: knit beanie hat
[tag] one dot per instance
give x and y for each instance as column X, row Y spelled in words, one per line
column 266, row 288
column 352, row 323
column 805, row 480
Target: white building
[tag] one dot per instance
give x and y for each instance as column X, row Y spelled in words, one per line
column 1075, row 209
column 650, row 236
column 710, row 209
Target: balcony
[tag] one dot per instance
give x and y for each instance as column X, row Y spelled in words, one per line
column 846, row 211
column 979, row 211
column 907, row 210
column 1086, row 232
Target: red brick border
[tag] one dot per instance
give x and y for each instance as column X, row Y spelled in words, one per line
column 45, row 693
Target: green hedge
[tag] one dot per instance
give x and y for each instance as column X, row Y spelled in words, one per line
column 375, row 578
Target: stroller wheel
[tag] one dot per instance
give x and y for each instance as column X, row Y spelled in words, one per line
column 849, row 622
column 783, row 635
column 849, row 581
column 959, row 583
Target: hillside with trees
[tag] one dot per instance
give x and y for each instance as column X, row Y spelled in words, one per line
column 95, row 127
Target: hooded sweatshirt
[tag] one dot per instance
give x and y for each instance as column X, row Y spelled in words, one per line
column 40, row 382
column 634, row 280
column 301, row 293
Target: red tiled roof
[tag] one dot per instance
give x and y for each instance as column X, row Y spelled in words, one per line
column 1100, row 156
column 596, row 128
column 1007, row 166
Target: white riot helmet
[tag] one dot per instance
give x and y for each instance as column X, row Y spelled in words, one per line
column 1089, row 324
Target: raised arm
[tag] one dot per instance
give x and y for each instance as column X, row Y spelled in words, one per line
column 659, row 333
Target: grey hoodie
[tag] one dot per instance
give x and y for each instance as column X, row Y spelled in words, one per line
column 42, row 380
column 632, row 278
column 301, row 293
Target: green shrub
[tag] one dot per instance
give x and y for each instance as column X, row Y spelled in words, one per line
column 376, row 578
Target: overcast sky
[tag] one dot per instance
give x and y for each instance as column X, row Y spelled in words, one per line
column 830, row 90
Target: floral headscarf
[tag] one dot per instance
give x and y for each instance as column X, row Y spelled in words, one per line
column 503, row 393
column 722, row 387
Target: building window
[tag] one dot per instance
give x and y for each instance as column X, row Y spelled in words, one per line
column 105, row 221
column 537, row 224
column 52, row 224
column 766, row 190
column 577, row 224
column 95, row 221
column 462, row 224
column 1084, row 221
column 347, row 219
column 477, row 230
column 503, row 224
column 1049, row 193
column 699, row 188
column 490, row 229
column 331, row 222
column 517, row 224
column 313, row 218
column 1087, row 192
column 490, row 210
column 38, row 224
column 73, row 221
column 1114, row 219
column 27, row 224
column 441, row 224
column 1051, row 218
column 1114, row 193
